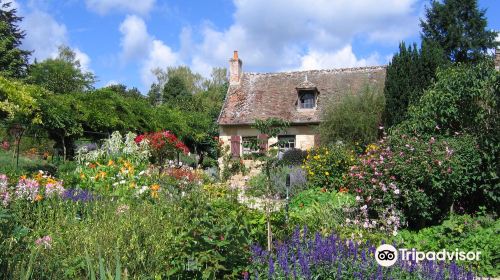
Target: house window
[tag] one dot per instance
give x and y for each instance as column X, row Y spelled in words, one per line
column 307, row 99
column 250, row 145
column 286, row 142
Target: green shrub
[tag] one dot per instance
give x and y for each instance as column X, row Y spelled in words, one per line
column 326, row 167
column 466, row 233
column 465, row 99
column 294, row 157
column 355, row 118
column 436, row 176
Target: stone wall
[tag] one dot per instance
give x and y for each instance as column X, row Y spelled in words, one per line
column 304, row 134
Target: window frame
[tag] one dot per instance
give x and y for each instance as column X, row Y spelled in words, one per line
column 245, row 150
column 289, row 136
column 313, row 98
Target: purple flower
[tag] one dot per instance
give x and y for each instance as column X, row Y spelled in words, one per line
column 77, row 195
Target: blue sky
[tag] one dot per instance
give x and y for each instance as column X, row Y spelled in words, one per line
column 121, row 41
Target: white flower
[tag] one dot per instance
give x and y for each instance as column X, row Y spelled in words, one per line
column 358, row 198
column 394, row 233
column 396, row 191
column 347, row 220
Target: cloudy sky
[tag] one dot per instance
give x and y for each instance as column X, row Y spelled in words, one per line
column 122, row 40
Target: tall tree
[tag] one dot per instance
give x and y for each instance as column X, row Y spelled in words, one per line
column 13, row 60
column 62, row 74
column 126, row 92
column 175, row 92
column 459, row 27
column 408, row 74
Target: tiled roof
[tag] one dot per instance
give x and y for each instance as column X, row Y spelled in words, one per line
column 265, row 95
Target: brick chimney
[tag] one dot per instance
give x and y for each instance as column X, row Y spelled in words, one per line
column 235, row 71
column 497, row 58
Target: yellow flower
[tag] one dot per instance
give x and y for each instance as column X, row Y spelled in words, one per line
column 38, row 197
column 327, row 173
column 51, row 181
column 110, row 162
column 132, row 185
column 82, row 176
column 155, row 187
column 154, row 194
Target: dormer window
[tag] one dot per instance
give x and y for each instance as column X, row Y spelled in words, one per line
column 307, row 99
column 307, row 94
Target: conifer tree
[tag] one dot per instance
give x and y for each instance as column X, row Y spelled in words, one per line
column 13, row 60
column 459, row 27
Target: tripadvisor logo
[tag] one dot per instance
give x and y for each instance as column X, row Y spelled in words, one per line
column 387, row 255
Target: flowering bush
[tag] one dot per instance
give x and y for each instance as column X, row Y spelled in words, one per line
column 327, row 166
column 421, row 178
column 114, row 147
column 436, row 175
column 376, row 190
column 163, row 145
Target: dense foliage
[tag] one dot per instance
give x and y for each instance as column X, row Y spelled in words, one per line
column 327, row 167
column 460, row 28
column 13, row 60
column 354, row 119
column 469, row 233
column 409, row 73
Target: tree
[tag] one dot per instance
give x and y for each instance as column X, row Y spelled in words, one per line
column 125, row 92
column 410, row 72
column 192, row 82
column 61, row 120
column 459, row 27
column 354, row 119
column 19, row 102
column 13, row 60
column 175, row 92
column 62, row 74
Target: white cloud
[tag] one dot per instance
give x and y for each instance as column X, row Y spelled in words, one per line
column 83, row 58
column 138, row 45
column 135, row 41
column 344, row 57
column 160, row 56
column 128, row 6
column 44, row 35
column 297, row 34
column 111, row 82
column 39, row 27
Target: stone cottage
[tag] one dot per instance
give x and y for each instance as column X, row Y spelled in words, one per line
column 297, row 97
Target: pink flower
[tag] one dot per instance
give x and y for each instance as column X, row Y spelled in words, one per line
column 45, row 241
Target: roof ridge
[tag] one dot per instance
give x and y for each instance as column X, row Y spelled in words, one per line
column 331, row 70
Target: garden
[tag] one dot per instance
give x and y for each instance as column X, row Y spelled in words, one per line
column 110, row 184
